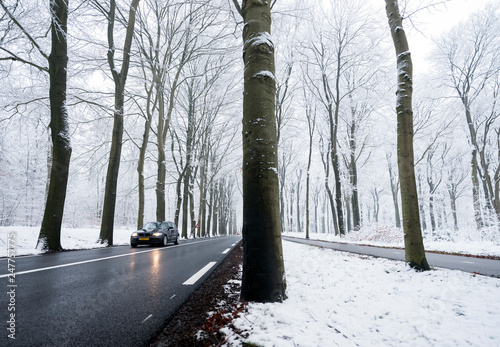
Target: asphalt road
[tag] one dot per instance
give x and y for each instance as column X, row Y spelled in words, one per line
column 118, row 296
column 487, row 267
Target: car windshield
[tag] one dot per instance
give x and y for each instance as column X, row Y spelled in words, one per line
column 151, row 226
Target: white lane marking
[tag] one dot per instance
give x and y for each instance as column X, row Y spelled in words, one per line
column 227, row 250
column 22, row 256
column 199, row 274
column 467, row 262
column 234, row 244
column 98, row 259
column 173, row 296
column 147, row 318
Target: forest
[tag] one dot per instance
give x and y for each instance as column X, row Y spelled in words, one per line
column 154, row 92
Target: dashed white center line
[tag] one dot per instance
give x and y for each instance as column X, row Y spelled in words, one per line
column 467, row 262
column 147, row 318
column 227, row 250
column 199, row 274
column 173, row 296
column 94, row 260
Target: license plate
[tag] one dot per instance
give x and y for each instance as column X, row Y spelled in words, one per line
column 144, row 239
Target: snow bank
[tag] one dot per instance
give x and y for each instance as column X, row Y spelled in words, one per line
column 341, row 299
column 463, row 242
column 26, row 238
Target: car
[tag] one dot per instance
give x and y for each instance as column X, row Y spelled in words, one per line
column 155, row 233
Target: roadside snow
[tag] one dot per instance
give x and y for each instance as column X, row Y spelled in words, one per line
column 385, row 236
column 462, row 242
column 85, row 238
column 342, row 299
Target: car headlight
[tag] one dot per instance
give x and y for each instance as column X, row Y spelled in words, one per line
column 134, row 234
column 156, row 234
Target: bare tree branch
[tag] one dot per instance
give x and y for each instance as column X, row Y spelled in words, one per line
column 238, row 7
column 19, row 25
column 15, row 57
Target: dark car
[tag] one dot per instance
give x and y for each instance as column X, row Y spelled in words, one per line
column 155, row 233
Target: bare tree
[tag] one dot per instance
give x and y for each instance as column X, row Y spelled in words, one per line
column 119, row 79
column 471, row 55
column 414, row 246
column 263, row 268
column 394, row 181
column 311, row 125
column 325, row 159
column 337, row 68
column 50, row 231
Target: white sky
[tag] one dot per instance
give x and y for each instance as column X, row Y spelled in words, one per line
column 431, row 23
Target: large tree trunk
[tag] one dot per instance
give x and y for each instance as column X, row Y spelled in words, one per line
column 119, row 78
column 414, row 246
column 263, row 268
column 50, row 231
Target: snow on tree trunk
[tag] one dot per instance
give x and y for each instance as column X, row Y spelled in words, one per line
column 50, row 231
column 263, row 269
column 414, row 246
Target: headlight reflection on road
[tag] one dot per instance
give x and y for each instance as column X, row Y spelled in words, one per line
column 155, row 272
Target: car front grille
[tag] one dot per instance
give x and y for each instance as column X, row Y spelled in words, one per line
column 144, row 234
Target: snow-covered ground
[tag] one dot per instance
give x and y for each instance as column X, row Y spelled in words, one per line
column 26, row 238
column 464, row 241
column 342, row 299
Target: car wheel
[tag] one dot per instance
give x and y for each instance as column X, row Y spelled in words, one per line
column 165, row 240
column 134, row 245
column 176, row 240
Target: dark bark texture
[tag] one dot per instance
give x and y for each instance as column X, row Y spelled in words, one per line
column 50, row 232
column 119, row 78
column 263, row 268
column 414, row 246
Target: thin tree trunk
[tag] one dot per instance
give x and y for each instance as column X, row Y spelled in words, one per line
column 203, row 192
column 161, row 158
column 191, row 210
column 215, row 209
column 475, row 191
column 356, row 220
column 394, row 191
column 453, row 205
column 210, row 207
column 142, row 158
column 311, row 123
column 348, row 217
column 299, row 226
column 414, row 246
